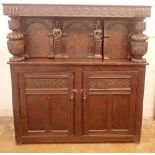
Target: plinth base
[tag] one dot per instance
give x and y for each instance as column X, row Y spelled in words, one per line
column 17, row 59
column 138, row 60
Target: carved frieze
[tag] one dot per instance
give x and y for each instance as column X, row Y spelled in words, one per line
column 15, row 41
column 46, row 83
column 108, row 83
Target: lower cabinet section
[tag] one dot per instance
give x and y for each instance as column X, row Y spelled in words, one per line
column 105, row 103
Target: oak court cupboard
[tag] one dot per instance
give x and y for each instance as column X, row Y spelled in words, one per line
column 77, row 72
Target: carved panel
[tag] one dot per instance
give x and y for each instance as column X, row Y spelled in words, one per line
column 108, row 83
column 116, row 43
column 78, row 42
column 37, row 40
column 46, row 83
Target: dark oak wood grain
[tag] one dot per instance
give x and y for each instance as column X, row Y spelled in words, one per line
column 77, row 76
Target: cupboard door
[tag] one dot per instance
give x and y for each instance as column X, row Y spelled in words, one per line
column 45, row 103
column 109, row 100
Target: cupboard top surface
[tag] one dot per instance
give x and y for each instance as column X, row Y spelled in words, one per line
column 46, row 61
column 76, row 10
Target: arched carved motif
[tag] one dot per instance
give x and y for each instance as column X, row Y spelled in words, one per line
column 26, row 22
column 78, row 42
column 116, row 42
column 37, row 40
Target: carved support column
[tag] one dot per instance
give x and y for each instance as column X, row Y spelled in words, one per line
column 98, row 40
column 15, row 41
column 139, row 44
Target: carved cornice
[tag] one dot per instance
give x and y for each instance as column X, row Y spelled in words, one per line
column 76, row 10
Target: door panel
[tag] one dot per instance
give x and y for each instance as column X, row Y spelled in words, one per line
column 36, row 112
column 59, row 112
column 120, row 111
column 46, row 104
column 97, row 112
column 109, row 102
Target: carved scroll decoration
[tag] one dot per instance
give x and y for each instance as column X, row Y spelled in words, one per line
column 139, row 44
column 15, row 41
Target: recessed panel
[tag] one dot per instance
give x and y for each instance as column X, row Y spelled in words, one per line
column 59, row 112
column 36, row 112
column 97, row 112
column 37, row 40
column 116, row 43
column 120, row 111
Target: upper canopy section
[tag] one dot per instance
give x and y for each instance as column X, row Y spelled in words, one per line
column 55, row 10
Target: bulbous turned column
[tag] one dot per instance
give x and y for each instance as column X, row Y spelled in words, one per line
column 15, row 41
column 139, row 44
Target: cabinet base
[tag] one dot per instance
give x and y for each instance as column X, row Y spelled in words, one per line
column 77, row 139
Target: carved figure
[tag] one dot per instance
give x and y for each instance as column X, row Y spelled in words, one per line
column 56, row 41
column 98, row 39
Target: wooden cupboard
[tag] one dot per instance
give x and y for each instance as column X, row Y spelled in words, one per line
column 77, row 76
column 77, row 103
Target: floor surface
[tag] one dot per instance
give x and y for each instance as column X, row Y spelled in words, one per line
column 7, row 142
